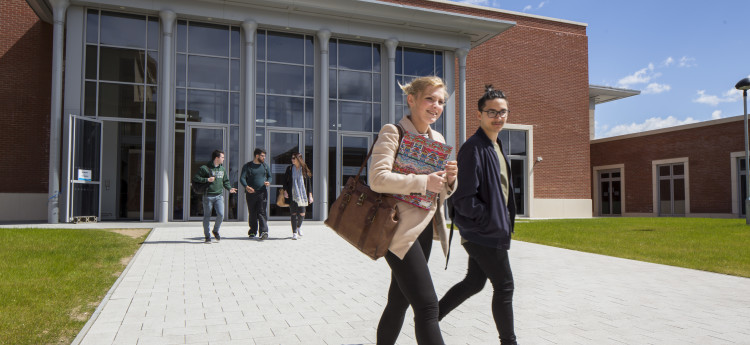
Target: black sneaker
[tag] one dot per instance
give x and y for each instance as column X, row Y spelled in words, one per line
column 208, row 240
column 251, row 234
column 216, row 235
column 263, row 236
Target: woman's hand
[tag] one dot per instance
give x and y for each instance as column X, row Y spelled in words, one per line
column 286, row 195
column 451, row 171
column 310, row 198
column 435, row 181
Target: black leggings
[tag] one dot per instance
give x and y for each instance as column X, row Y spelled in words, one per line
column 411, row 284
column 298, row 214
column 484, row 263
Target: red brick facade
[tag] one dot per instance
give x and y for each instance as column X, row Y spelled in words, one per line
column 25, row 88
column 542, row 66
column 707, row 148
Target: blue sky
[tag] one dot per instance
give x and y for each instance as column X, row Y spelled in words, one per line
column 684, row 56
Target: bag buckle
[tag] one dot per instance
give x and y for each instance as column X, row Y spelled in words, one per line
column 361, row 199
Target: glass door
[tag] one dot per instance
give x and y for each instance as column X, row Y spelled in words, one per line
column 352, row 151
column 280, row 144
column 610, row 203
column 742, row 184
column 122, row 171
column 672, row 189
column 84, row 201
column 201, row 142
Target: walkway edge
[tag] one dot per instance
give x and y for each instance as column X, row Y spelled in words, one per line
column 105, row 300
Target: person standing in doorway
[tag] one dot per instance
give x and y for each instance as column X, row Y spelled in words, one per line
column 215, row 174
column 255, row 179
column 297, row 191
column 409, row 251
column 485, row 214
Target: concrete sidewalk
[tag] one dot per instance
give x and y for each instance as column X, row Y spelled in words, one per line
column 320, row 290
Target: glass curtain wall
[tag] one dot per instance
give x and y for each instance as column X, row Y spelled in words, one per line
column 285, row 91
column 355, row 101
column 207, row 80
column 410, row 64
column 120, row 87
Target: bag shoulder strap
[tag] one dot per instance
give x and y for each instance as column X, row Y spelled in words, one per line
column 401, row 131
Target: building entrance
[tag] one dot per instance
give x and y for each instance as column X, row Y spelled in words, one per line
column 84, row 168
column 610, row 200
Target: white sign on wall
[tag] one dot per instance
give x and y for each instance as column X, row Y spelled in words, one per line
column 84, row 175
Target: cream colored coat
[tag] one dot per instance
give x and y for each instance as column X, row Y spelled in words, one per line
column 382, row 180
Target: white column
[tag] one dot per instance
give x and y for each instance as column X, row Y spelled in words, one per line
column 462, row 53
column 391, row 45
column 321, row 127
column 59, row 8
column 248, row 115
column 449, row 112
column 165, row 119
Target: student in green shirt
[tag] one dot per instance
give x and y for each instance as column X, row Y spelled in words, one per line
column 213, row 172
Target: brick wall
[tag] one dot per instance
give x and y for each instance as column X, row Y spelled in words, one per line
column 707, row 148
column 25, row 77
column 542, row 66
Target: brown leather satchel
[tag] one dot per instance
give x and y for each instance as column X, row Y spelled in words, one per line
column 364, row 218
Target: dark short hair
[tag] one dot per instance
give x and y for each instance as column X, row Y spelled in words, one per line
column 216, row 154
column 490, row 93
column 258, row 151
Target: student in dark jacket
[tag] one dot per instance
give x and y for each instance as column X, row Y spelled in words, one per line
column 297, row 192
column 485, row 214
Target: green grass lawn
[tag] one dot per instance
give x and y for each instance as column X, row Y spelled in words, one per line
column 52, row 280
column 715, row 245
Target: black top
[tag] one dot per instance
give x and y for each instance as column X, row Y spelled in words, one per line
column 288, row 182
column 482, row 215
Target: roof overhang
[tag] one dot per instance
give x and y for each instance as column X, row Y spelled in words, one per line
column 42, row 9
column 602, row 94
column 400, row 17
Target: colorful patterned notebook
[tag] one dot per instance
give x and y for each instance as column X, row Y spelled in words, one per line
column 420, row 155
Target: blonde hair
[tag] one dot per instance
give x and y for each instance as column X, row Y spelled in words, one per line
column 417, row 86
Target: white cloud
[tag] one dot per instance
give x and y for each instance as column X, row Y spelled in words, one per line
column 530, row 7
column 669, row 61
column 687, row 62
column 656, row 88
column 486, row 3
column 649, row 124
column 641, row 76
column 716, row 115
column 733, row 95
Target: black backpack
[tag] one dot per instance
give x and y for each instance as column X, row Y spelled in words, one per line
column 200, row 187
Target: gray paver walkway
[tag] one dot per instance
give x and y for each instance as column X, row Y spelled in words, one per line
column 319, row 290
